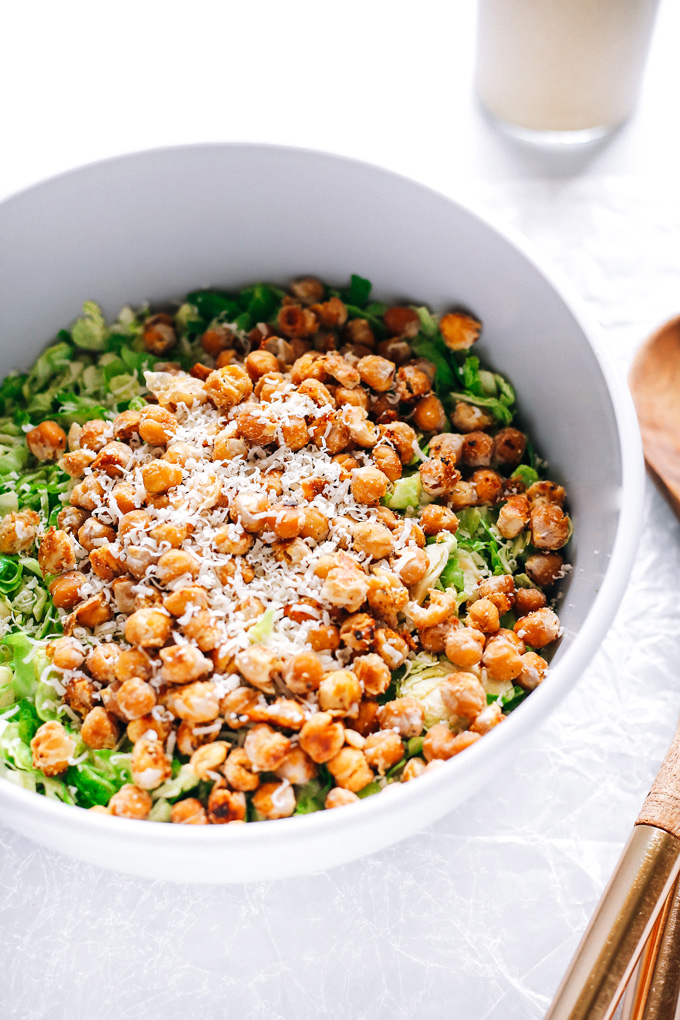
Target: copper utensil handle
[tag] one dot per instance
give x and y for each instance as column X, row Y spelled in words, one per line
column 655, row 994
column 662, row 806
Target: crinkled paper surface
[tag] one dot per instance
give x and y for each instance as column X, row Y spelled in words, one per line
column 475, row 918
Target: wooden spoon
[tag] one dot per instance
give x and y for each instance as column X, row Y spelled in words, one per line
column 655, row 386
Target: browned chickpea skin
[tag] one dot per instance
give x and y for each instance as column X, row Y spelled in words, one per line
column 489, row 717
column 18, row 531
column 403, row 715
column 501, row 658
column 157, row 425
column 90, row 613
column 441, row 606
column 259, row 665
column 303, row 673
column 413, row 768
column 65, row 590
column 176, row 563
column 376, row 372
column 236, row 705
column 464, row 647
column 265, row 747
column 69, row 519
column 124, row 497
column 57, row 553
column 528, row 600
column 249, row 509
column 546, row 492
column 94, row 533
column 390, row 646
column 463, row 695
column 225, row 806
column 196, row 703
column 208, row 758
column 105, row 563
column 322, row 737
column 275, row 800
column 51, row 748
column 435, row 518
column 102, row 660
column 358, row 331
column 388, row 461
column 340, row 693
column 350, row 769
column 462, row 495
column 337, row 797
column 459, row 331
column 411, row 565
column 383, row 750
column 374, row 540
column 216, row 340
column 238, row 771
column 513, row 516
column 130, row 802
column 80, row 695
column 204, row 630
column 65, row 653
column 369, row 485
column 470, row 418
column 429, row 414
column 100, row 729
column 183, row 664
column 126, row 426
column 228, row 386
column 345, row 588
column 325, row 638
column 401, row 321
column 402, row 438
column 509, row 446
column 477, row 449
column 113, row 459
column 358, row 632
column 534, row 668
column 148, row 628
column 545, row 568
column 387, row 596
column 177, row 602
column 189, row 811
column 499, row 589
column 488, row 485
column 96, row 434
column 294, row 321
column 539, row 628
column 438, row 476
column 441, row 744
column 159, row 334
column 411, row 384
column 549, row 526
column 150, row 766
column 484, row 616
column 47, row 441
column 159, row 476
column 433, row 639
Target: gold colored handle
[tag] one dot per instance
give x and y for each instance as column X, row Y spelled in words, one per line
column 656, row 992
column 622, row 923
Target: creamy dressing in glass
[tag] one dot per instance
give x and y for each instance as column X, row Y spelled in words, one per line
column 562, row 65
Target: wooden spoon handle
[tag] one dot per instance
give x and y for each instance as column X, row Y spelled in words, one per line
column 662, row 806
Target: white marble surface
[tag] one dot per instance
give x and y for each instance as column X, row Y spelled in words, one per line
column 475, row 918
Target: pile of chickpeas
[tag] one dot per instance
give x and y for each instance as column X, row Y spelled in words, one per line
column 290, row 715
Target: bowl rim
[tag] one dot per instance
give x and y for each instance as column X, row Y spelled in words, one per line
column 562, row 676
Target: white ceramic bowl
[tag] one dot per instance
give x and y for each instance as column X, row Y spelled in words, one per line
column 158, row 224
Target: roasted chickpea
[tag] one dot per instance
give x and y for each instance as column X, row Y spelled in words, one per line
column 182, row 664
column 429, row 414
column 462, row 495
column 56, row 553
column 350, row 769
column 130, row 802
column 483, row 615
column 325, row 638
column 337, row 797
column 549, row 526
column 413, row 768
column 90, row 613
column 18, row 531
column 545, row 568
column 126, row 425
column 388, row 461
column 228, row 386
column 69, row 519
column 488, row 718
column 176, row 563
column 435, row 518
column 488, row 485
column 74, row 463
column 463, row 695
column 438, row 476
column 376, row 372
column 369, row 485
column 538, row 629
column 189, row 811
column 390, row 646
column 469, row 418
column 440, row 743
column 477, row 449
column 226, row 806
column 113, row 459
column 52, row 747
column 499, row 589
column 160, row 476
column 464, row 647
column 340, row 692
column 102, row 660
column 402, row 438
column 135, row 698
column 95, row 533
column 159, row 334
column 403, row 715
column 294, row 321
column 322, row 737
column 148, row 628
column 459, row 331
column 374, row 540
column 383, row 750
column 265, row 747
column 345, row 588
column 259, row 665
column 528, row 600
column 66, row 653
column 303, row 673
column 47, row 441
column 96, row 434
column 546, row 492
column 105, row 563
column 509, row 446
column 65, row 590
column 534, row 668
column 196, row 703
column 100, row 729
column 501, row 659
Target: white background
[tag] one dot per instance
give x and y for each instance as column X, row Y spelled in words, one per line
column 476, row 918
